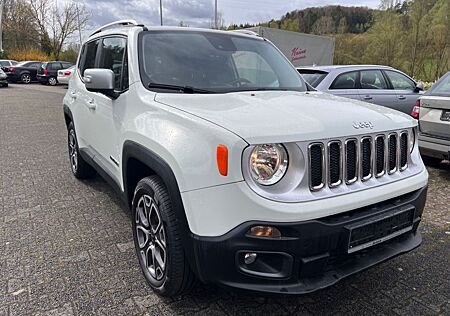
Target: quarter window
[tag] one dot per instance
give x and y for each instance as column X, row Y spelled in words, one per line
column 399, row 81
column 372, row 79
column 345, row 81
column 113, row 58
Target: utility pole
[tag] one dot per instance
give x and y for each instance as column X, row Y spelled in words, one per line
column 216, row 23
column 160, row 12
column 79, row 25
column 1, row 28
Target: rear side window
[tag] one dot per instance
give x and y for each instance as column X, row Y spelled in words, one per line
column 55, row 66
column 313, row 77
column 346, row 80
column 113, row 57
column 88, row 56
column 442, row 87
column 399, row 81
column 66, row 65
column 372, row 79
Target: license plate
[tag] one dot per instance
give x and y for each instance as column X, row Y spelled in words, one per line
column 376, row 230
column 445, row 116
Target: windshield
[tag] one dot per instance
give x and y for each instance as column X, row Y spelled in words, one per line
column 214, row 62
column 313, row 77
column 442, row 87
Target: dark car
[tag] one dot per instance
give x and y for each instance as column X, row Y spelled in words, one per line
column 48, row 72
column 24, row 72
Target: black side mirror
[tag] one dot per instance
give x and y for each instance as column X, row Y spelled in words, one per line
column 419, row 87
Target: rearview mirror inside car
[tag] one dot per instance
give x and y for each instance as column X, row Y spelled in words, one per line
column 100, row 80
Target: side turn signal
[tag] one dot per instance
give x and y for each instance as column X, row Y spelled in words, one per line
column 222, row 159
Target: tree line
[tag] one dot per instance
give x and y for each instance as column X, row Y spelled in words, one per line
column 40, row 29
column 412, row 35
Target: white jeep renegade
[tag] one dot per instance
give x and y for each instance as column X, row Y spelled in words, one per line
column 234, row 171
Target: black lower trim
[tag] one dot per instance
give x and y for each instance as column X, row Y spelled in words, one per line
column 311, row 255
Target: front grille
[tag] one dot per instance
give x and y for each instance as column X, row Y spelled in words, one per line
column 349, row 160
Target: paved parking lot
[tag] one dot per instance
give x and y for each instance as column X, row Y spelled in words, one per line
column 66, row 246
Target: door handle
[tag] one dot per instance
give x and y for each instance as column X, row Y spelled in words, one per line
column 401, row 97
column 74, row 94
column 367, row 97
column 91, row 105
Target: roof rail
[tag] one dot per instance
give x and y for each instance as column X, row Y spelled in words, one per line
column 247, row 32
column 116, row 24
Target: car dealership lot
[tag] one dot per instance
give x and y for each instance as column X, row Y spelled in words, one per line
column 66, row 246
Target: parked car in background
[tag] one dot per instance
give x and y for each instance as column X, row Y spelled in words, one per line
column 24, row 72
column 48, row 72
column 380, row 85
column 65, row 74
column 433, row 111
column 7, row 63
column 3, row 79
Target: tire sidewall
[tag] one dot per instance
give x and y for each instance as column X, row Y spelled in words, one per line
column 145, row 189
column 69, row 131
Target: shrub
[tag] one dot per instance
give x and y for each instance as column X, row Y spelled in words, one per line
column 31, row 54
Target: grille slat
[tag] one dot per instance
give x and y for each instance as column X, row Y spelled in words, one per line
column 332, row 163
column 316, row 159
column 403, row 151
column 366, row 158
column 392, row 140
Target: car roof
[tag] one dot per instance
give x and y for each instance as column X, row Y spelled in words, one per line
column 329, row 68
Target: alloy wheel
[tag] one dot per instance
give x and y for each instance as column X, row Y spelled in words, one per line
column 151, row 237
column 26, row 78
column 52, row 81
column 73, row 153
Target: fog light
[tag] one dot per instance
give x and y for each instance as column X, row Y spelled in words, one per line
column 264, row 231
column 249, row 258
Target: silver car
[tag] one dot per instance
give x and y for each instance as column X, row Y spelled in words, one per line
column 380, row 85
column 434, row 122
column 3, row 79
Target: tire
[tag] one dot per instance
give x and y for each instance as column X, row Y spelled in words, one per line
column 52, row 81
column 25, row 78
column 431, row 161
column 157, row 240
column 80, row 168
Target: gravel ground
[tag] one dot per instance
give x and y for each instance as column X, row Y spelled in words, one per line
column 66, row 246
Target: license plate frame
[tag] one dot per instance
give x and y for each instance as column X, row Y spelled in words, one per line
column 445, row 116
column 396, row 223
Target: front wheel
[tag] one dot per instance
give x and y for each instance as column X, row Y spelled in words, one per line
column 80, row 168
column 157, row 239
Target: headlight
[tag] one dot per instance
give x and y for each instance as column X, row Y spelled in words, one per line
column 412, row 139
column 268, row 163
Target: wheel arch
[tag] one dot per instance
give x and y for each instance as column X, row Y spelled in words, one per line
column 139, row 162
column 68, row 117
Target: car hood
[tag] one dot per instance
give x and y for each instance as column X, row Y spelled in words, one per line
column 287, row 116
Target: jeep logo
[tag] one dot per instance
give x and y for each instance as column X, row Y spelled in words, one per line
column 360, row 125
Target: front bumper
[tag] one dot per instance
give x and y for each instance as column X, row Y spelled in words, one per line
column 434, row 146
column 311, row 255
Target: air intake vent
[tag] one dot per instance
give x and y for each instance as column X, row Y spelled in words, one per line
column 392, row 140
column 380, row 154
column 316, row 159
column 366, row 158
column 335, row 163
column 351, row 161
column 403, row 151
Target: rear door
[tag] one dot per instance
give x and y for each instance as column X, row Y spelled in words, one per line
column 374, row 88
column 346, row 85
column 405, row 88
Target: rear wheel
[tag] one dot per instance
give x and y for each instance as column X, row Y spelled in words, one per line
column 157, row 239
column 25, row 78
column 52, row 81
column 80, row 168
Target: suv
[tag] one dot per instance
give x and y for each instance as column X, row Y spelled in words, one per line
column 234, row 172
column 48, row 72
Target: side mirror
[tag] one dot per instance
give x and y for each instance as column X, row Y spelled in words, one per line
column 419, row 87
column 100, row 80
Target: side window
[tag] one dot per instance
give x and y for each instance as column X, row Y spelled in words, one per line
column 35, row 65
column 66, row 65
column 345, row 81
column 113, row 57
column 90, row 52
column 399, row 81
column 252, row 68
column 55, row 66
column 372, row 79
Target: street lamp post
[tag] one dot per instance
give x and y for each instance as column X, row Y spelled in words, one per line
column 1, row 28
column 160, row 12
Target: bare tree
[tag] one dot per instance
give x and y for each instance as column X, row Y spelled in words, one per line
column 57, row 24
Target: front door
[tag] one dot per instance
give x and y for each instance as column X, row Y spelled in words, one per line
column 406, row 91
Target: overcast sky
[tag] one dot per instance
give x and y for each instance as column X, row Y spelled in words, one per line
column 198, row 13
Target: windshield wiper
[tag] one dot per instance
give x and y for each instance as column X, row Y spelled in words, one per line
column 184, row 89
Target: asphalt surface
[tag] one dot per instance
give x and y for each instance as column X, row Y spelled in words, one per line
column 66, row 246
